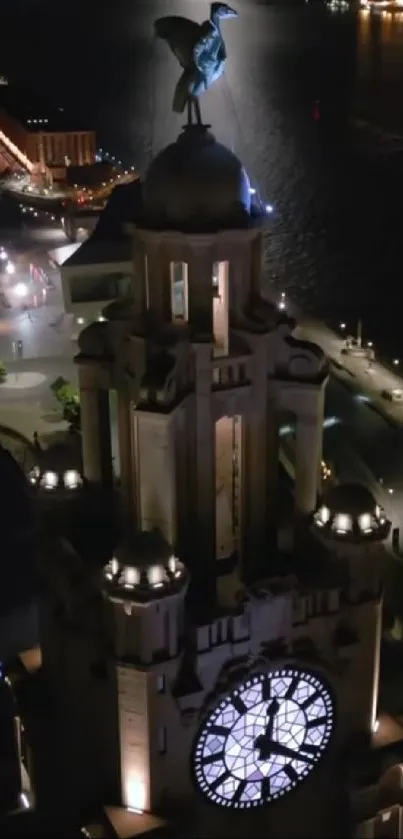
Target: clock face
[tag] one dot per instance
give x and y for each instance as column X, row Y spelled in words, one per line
column 263, row 738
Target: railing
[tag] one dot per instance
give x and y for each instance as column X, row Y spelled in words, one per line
column 229, row 371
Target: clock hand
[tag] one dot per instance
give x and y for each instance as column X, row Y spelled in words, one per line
column 263, row 740
column 275, row 748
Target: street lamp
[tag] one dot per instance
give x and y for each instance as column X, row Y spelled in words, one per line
column 395, row 361
column 21, row 290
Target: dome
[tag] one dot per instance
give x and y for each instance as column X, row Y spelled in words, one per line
column 58, row 469
column 350, row 512
column 196, row 184
column 144, row 567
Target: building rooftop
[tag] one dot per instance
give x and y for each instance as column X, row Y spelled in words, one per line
column 34, row 112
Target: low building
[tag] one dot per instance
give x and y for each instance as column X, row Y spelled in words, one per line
column 42, row 137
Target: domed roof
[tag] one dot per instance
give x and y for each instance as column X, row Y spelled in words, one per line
column 144, row 567
column 351, row 513
column 58, row 469
column 350, row 498
column 196, row 184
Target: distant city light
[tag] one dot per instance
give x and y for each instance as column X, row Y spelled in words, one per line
column 3, row 255
column 390, row 491
column 342, row 326
column 282, row 302
column 395, row 361
column 10, row 268
column 369, row 344
column 252, row 190
column 269, row 208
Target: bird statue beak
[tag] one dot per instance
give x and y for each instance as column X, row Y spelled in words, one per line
column 230, row 12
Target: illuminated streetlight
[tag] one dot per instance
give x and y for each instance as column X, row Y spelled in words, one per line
column 269, row 208
column 390, row 491
column 10, row 268
column 3, row 255
column 343, row 326
column 21, row 290
column 369, row 344
column 395, row 361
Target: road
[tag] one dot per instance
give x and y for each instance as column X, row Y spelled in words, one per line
column 369, row 428
column 44, row 329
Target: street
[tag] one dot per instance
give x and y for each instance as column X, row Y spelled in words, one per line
column 31, row 307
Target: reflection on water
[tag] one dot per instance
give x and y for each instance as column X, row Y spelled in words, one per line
column 311, row 101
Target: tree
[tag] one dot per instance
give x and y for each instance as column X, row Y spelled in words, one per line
column 68, row 398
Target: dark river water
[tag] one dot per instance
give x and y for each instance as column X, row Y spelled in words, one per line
column 334, row 242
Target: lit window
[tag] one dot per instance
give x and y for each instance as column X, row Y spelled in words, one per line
column 72, row 479
column 179, row 295
column 365, row 522
column 156, row 575
column 342, row 523
column 49, row 480
column 131, row 577
column 161, row 683
column 323, row 515
column 34, row 474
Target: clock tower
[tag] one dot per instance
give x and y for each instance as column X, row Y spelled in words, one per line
column 234, row 661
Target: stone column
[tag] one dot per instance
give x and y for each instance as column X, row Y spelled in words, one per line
column 257, row 483
column 200, row 291
column 96, row 436
column 126, row 456
column 308, row 453
column 205, row 486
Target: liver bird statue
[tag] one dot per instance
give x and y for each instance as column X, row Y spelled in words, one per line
column 200, row 50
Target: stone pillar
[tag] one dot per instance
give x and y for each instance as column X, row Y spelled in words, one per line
column 204, row 567
column 200, row 291
column 126, row 456
column 308, row 454
column 96, row 436
column 257, row 484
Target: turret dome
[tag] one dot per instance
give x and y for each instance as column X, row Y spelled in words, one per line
column 196, row 184
column 350, row 512
column 144, row 567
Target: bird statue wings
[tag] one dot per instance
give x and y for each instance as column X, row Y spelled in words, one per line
column 200, row 50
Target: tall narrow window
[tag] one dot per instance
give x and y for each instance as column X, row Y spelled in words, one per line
column 162, row 739
column 146, row 282
column 179, row 291
column 215, row 278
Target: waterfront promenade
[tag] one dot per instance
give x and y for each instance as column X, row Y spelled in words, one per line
column 354, row 371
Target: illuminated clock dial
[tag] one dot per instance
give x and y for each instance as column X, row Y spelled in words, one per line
column 263, row 738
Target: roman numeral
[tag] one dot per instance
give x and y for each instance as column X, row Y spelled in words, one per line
column 213, row 758
column 266, row 690
column 220, row 730
column 238, row 704
column 220, row 780
column 293, row 686
column 265, row 788
column 238, row 792
column 310, row 750
column 291, row 772
column 317, row 722
column 307, row 702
